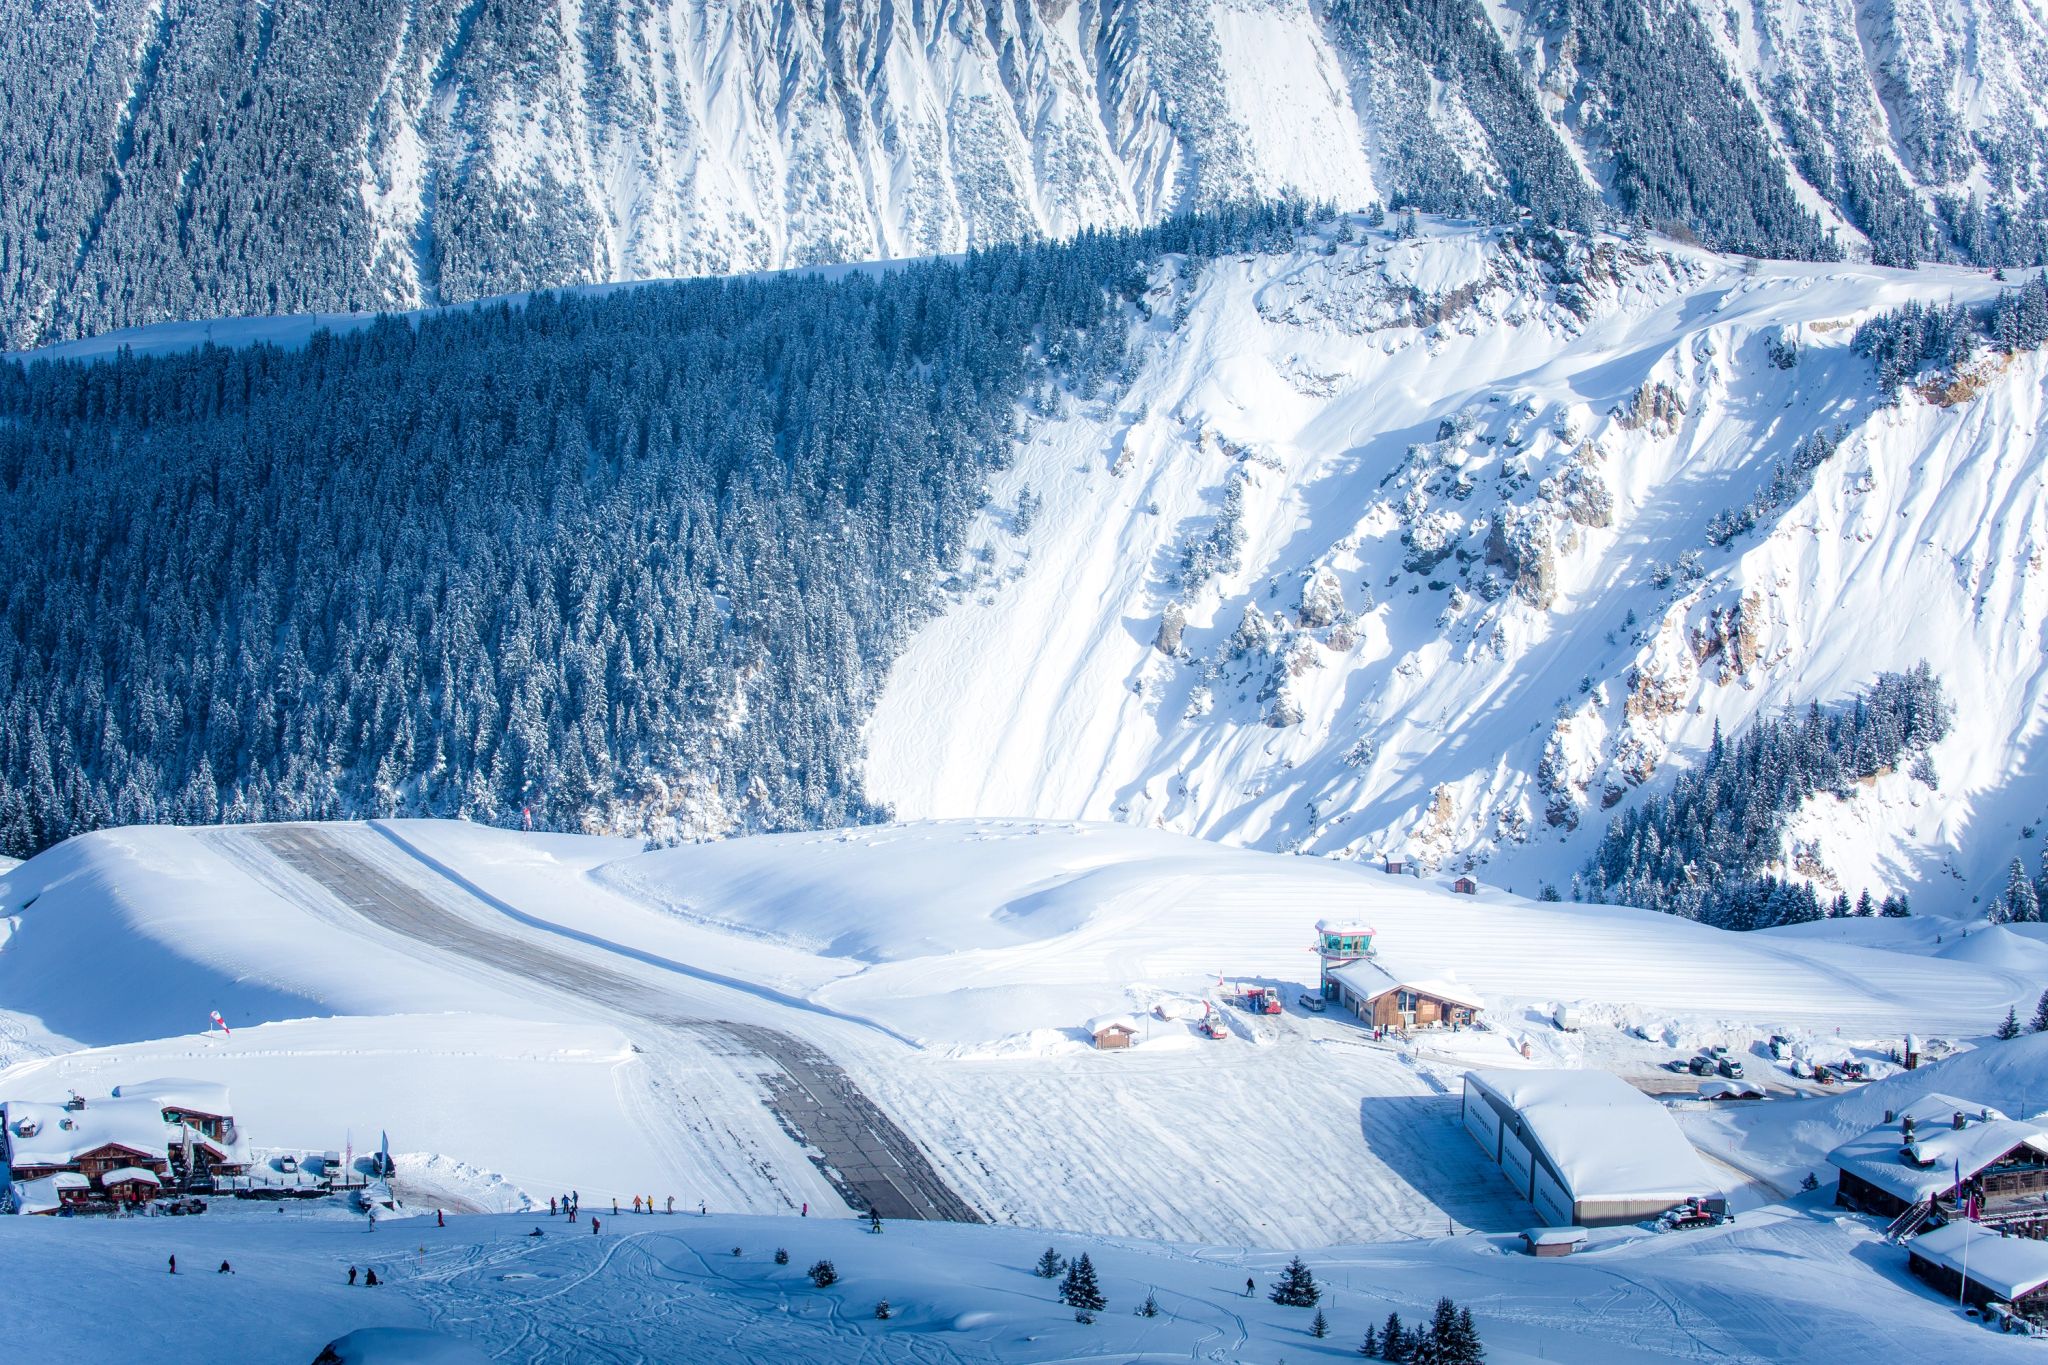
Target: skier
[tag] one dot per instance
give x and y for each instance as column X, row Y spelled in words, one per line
column 174, row 1265
column 615, row 1205
column 700, row 1208
column 1248, row 1286
column 225, row 1269
column 636, row 1203
column 671, row 1203
column 439, row 1221
column 807, row 1210
column 593, row 1226
column 535, row 1233
column 351, row 1276
column 370, row 1281
column 551, row 1206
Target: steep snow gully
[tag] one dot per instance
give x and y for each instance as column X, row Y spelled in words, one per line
column 867, row 1158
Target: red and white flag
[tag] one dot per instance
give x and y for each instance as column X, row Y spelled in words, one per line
column 221, row 1023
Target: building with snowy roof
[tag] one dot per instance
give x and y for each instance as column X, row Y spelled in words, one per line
column 1980, row 1265
column 1940, row 1149
column 204, row 1116
column 1112, row 1031
column 1585, row 1147
column 1381, row 994
column 87, row 1139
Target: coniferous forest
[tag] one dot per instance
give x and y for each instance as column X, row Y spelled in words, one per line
column 633, row 560
column 1702, row 850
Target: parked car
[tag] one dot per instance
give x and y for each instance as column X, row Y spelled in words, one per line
column 1729, row 1067
column 1675, row 1064
column 1701, row 1065
column 1312, row 1002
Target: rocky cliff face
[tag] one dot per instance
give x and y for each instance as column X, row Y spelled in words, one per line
column 184, row 158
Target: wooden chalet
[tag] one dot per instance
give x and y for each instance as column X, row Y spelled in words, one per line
column 1384, row 998
column 1907, row 1169
column 1963, row 1259
column 1112, row 1032
column 89, row 1141
column 1465, row 886
column 203, row 1119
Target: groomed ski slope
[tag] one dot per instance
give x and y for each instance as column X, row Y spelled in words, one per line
column 956, row 1008
column 1787, row 1285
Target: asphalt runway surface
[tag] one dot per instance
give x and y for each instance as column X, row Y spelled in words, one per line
column 866, row 1156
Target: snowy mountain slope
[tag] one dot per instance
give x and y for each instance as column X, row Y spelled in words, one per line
column 181, row 161
column 946, row 968
column 1398, row 547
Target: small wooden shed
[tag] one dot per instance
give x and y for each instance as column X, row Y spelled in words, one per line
column 1554, row 1241
column 1113, row 1031
column 1396, row 866
column 1465, row 886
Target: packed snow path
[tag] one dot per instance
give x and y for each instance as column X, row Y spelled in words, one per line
column 870, row 1161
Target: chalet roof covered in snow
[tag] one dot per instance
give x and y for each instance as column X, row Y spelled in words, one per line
column 1374, row 977
column 51, row 1135
column 122, row 1174
column 1877, row 1156
column 1339, row 924
column 194, row 1097
column 1102, row 1023
column 2007, row 1266
column 1607, row 1139
column 45, row 1195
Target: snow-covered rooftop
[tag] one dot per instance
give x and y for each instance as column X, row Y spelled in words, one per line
column 1606, row 1138
column 2007, row 1266
column 125, row 1173
column 51, row 1135
column 42, row 1196
column 195, row 1097
column 1103, row 1022
column 1374, row 977
column 1338, row 925
column 1877, row 1155
column 1552, row 1237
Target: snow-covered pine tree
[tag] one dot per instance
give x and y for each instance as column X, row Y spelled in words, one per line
column 1896, row 906
column 2040, row 1020
column 1150, row 1307
column 2023, row 904
column 1393, row 1339
column 2010, row 1029
column 1370, row 1347
column 1320, row 1328
column 1296, row 1287
column 1864, row 908
column 882, row 1310
column 1465, row 1347
column 1080, row 1290
column 1049, row 1265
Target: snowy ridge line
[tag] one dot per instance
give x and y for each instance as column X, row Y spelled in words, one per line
column 289, row 331
column 666, row 964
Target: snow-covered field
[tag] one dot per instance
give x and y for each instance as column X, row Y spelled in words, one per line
column 1792, row 1284
column 563, row 1012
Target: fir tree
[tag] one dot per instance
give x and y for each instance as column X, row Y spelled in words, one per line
column 1464, row 1347
column 1370, row 1348
column 1393, row 1339
column 781, row 1256
column 1079, row 1289
column 2023, row 905
column 1320, row 1328
column 1049, row 1265
column 882, row 1310
column 823, row 1273
column 1864, row 908
column 2040, row 1020
column 1296, row 1287
column 2011, row 1027
column 1150, row 1307
column 1810, row 1184
column 1896, row 906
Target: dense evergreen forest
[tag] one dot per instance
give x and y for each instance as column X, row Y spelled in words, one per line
column 635, row 560
column 1703, row 849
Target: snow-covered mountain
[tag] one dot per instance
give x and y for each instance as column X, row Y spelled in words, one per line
column 179, row 160
column 1399, row 547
